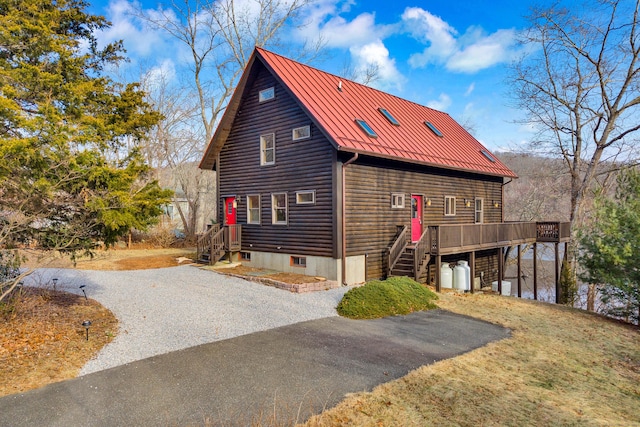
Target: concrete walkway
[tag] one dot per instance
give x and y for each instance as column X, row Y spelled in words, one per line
column 281, row 376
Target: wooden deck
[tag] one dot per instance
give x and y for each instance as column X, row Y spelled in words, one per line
column 461, row 238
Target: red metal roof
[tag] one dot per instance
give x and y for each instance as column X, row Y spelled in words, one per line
column 335, row 104
column 336, row 111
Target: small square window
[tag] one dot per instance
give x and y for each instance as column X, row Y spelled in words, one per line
column 266, row 94
column 449, row 206
column 303, row 132
column 397, row 200
column 267, row 149
column 305, row 197
column 253, row 209
column 298, row 261
column 245, row 256
column 279, row 208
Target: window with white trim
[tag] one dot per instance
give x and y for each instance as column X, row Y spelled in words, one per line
column 449, row 206
column 302, row 132
column 306, row 197
column 266, row 94
column 279, row 208
column 479, row 211
column 397, row 200
column 267, row 149
column 253, row 209
column 298, row 261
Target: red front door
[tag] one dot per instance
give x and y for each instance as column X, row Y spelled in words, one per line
column 416, row 217
column 230, row 208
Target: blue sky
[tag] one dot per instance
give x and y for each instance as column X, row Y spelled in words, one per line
column 449, row 55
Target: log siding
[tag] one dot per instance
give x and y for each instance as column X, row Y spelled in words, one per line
column 371, row 221
column 300, row 165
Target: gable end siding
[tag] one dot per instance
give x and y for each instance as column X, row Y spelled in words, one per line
column 299, row 166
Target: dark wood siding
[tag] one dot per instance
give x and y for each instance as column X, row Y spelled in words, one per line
column 372, row 223
column 299, row 165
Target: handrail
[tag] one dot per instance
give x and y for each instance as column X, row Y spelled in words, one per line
column 232, row 237
column 422, row 247
column 398, row 247
column 204, row 239
column 216, row 249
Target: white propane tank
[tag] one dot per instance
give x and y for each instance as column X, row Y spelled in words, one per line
column 459, row 277
column 446, row 276
column 467, row 270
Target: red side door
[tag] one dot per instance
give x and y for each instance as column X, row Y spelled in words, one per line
column 416, row 217
column 230, row 208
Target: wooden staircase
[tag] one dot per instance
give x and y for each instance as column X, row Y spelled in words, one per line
column 217, row 242
column 409, row 260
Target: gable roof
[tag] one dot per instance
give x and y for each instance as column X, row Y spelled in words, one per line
column 334, row 104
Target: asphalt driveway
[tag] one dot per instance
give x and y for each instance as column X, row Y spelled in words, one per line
column 288, row 373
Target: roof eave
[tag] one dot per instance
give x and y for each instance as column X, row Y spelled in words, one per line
column 430, row 164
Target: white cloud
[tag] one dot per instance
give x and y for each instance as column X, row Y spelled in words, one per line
column 377, row 55
column 160, row 75
column 441, row 104
column 139, row 39
column 470, row 89
column 432, row 30
column 469, row 53
column 485, row 52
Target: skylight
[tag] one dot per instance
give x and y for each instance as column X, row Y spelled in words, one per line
column 389, row 116
column 488, row 156
column 434, row 129
column 365, row 127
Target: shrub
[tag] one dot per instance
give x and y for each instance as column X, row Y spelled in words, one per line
column 391, row 297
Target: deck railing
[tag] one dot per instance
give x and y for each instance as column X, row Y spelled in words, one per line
column 455, row 238
column 398, row 247
column 232, row 237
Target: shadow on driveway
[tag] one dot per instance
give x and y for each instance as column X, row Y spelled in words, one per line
column 292, row 371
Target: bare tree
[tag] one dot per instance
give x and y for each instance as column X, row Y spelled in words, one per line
column 219, row 36
column 580, row 88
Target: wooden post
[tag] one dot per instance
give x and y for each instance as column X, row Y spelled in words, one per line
column 472, row 266
column 557, row 273
column 437, row 272
column 519, row 272
column 535, row 271
column 500, row 267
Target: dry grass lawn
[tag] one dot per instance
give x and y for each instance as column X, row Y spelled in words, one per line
column 560, row 367
column 42, row 339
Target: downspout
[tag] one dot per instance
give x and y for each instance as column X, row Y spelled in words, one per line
column 344, row 216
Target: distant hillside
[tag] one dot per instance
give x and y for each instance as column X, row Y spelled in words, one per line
column 542, row 191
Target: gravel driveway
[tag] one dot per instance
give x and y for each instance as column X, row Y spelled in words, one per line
column 169, row 309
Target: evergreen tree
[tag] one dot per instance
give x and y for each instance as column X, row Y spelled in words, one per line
column 610, row 249
column 66, row 179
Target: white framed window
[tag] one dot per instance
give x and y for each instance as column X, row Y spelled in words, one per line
column 306, row 197
column 449, row 206
column 267, row 149
column 253, row 209
column 397, row 200
column 298, row 261
column 279, row 208
column 479, row 211
column 266, row 94
column 302, row 132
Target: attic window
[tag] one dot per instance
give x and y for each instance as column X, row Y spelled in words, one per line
column 488, row 156
column 365, row 127
column 434, row 129
column 266, row 94
column 389, row 117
